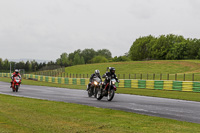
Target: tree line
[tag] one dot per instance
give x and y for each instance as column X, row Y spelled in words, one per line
column 28, row 66
column 86, row 56
column 165, row 47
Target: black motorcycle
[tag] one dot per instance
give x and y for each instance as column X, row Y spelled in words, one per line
column 108, row 91
column 95, row 85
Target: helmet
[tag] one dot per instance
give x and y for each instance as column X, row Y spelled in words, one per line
column 16, row 71
column 97, row 72
column 112, row 70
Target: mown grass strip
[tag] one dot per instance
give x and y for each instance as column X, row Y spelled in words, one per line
column 23, row 115
column 191, row 96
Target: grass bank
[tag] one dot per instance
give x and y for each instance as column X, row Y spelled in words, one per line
column 154, row 66
column 191, row 96
column 24, row 115
column 186, row 70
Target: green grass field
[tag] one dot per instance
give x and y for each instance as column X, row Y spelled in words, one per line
column 183, row 70
column 134, row 69
column 24, row 115
column 31, row 115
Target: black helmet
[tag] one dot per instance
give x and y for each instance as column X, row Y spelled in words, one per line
column 97, row 72
column 112, row 70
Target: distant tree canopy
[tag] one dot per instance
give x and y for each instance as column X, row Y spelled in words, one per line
column 75, row 58
column 170, row 47
column 29, row 66
column 164, row 47
column 99, row 59
column 85, row 56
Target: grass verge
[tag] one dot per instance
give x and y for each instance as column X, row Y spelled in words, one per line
column 191, row 96
column 23, row 115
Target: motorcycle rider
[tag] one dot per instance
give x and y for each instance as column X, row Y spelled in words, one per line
column 15, row 74
column 94, row 75
column 109, row 74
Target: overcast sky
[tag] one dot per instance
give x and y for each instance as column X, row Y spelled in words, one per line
column 44, row 29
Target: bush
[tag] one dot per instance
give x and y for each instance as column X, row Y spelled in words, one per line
column 99, row 59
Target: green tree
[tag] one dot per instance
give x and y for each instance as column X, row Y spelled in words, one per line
column 58, row 61
column 27, row 66
column 141, row 48
column 164, row 45
column 121, row 58
column 104, row 52
column 64, row 59
column 1, row 64
column 6, row 64
column 193, row 48
column 178, row 51
column 77, row 59
column 99, row 59
column 20, row 65
column 82, row 60
column 88, row 54
column 34, row 66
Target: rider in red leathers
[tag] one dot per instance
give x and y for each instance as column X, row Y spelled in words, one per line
column 15, row 74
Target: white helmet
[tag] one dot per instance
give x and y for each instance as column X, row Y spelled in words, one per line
column 97, row 72
column 16, row 71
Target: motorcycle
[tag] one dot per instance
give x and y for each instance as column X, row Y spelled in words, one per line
column 16, row 84
column 96, row 83
column 108, row 91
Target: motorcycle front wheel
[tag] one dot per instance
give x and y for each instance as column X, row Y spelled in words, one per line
column 111, row 95
column 13, row 88
column 95, row 92
column 17, row 87
column 89, row 92
column 99, row 95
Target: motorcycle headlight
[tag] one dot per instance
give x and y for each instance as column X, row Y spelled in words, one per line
column 95, row 82
column 113, row 82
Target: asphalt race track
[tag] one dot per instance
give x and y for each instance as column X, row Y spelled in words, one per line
column 167, row 108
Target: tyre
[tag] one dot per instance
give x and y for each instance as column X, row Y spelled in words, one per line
column 111, row 95
column 89, row 92
column 13, row 88
column 95, row 92
column 17, row 87
column 99, row 95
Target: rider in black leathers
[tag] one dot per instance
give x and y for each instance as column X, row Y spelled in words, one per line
column 94, row 75
column 109, row 74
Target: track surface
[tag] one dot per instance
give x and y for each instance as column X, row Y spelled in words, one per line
column 167, row 108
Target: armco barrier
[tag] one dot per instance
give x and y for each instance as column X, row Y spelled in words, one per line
column 129, row 83
column 5, row 75
column 193, row 86
column 58, row 80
